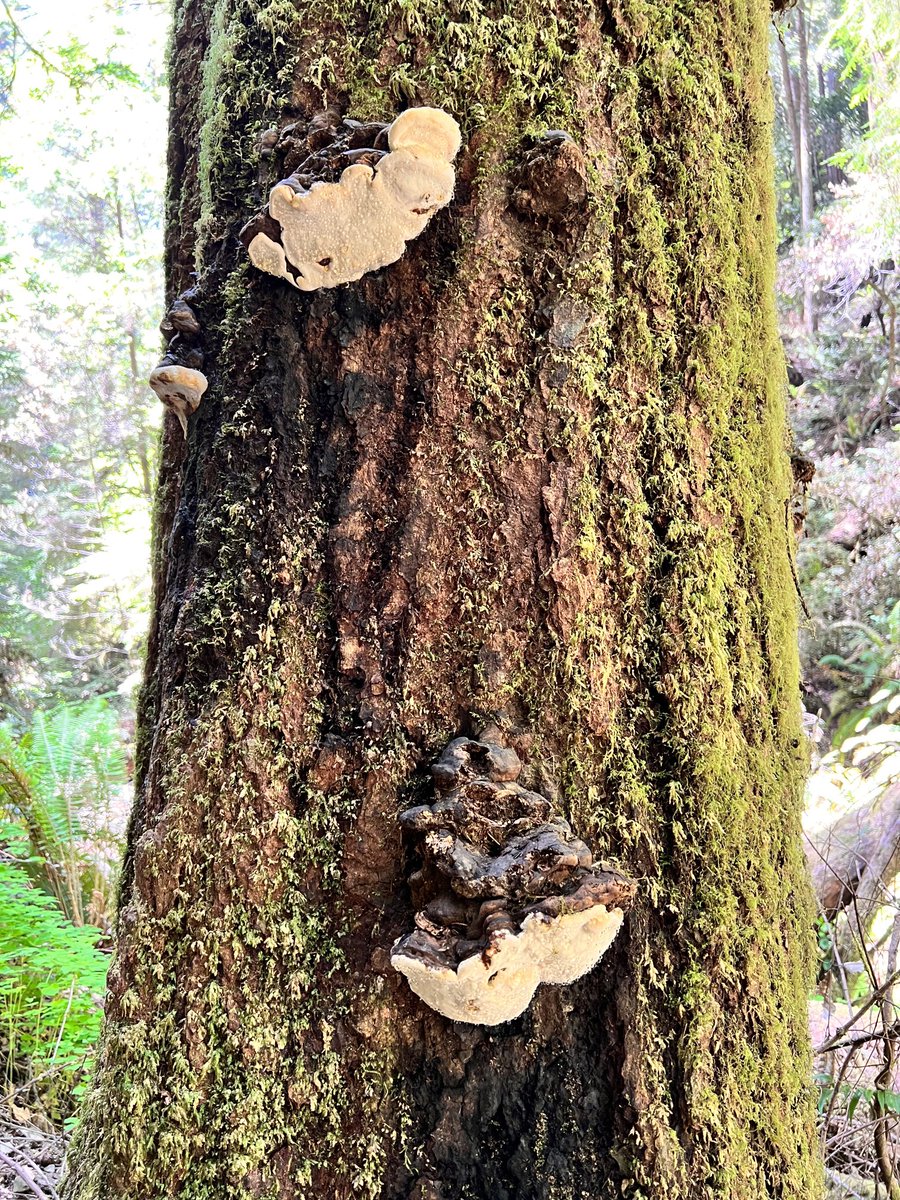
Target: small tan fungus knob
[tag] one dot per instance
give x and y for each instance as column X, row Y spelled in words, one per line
column 180, row 389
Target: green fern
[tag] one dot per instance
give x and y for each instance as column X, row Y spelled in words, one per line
column 58, row 783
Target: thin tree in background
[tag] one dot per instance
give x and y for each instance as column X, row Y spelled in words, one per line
column 806, row 162
column 795, row 86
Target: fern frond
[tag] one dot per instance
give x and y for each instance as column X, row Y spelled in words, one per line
column 56, row 784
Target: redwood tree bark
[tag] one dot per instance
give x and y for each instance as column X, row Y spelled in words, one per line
column 534, row 475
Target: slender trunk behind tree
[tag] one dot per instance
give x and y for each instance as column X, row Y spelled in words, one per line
column 807, row 166
column 806, row 157
column 534, row 473
column 789, row 85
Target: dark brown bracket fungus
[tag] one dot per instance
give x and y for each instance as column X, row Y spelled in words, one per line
column 181, row 319
column 551, row 182
column 508, row 896
column 319, row 234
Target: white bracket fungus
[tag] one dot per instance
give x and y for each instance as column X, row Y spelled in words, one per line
column 510, row 897
column 180, row 389
column 498, row 984
column 333, row 233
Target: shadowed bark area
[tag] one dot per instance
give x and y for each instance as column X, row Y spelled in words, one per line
column 531, row 476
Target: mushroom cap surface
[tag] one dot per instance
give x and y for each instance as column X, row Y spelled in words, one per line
column 174, row 384
column 334, row 233
column 428, row 128
column 498, row 985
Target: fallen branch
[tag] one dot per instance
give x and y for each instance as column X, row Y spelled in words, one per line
column 877, row 995
column 26, row 1177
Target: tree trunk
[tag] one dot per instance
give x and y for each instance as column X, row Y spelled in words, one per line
column 807, row 167
column 533, row 474
column 792, row 114
column 806, row 156
column 853, row 863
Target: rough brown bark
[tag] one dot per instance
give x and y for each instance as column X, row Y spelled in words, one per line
column 534, row 475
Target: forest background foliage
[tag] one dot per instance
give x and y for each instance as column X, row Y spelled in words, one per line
column 81, row 181
column 81, row 184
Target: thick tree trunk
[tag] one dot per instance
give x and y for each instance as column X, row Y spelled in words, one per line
column 535, row 474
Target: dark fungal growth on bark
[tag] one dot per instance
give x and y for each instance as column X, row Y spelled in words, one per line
column 551, row 183
column 803, row 471
column 508, row 896
column 320, row 234
column 321, row 149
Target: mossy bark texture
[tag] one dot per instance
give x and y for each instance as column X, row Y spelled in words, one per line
column 533, row 474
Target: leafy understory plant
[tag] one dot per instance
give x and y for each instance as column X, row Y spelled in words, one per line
column 52, row 979
column 62, row 804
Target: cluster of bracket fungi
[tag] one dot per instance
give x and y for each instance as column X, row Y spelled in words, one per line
column 354, row 194
column 507, row 896
column 177, row 380
column 357, row 193
column 316, row 151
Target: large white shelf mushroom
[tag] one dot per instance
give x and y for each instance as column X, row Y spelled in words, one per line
column 498, row 984
column 337, row 232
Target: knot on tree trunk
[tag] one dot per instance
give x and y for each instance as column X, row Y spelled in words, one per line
column 551, row 182
column 507, row 896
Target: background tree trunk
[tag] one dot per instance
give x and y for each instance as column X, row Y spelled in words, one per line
column 853, row 863
column 532, row 473
column 791, row 85
column 806, row 165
